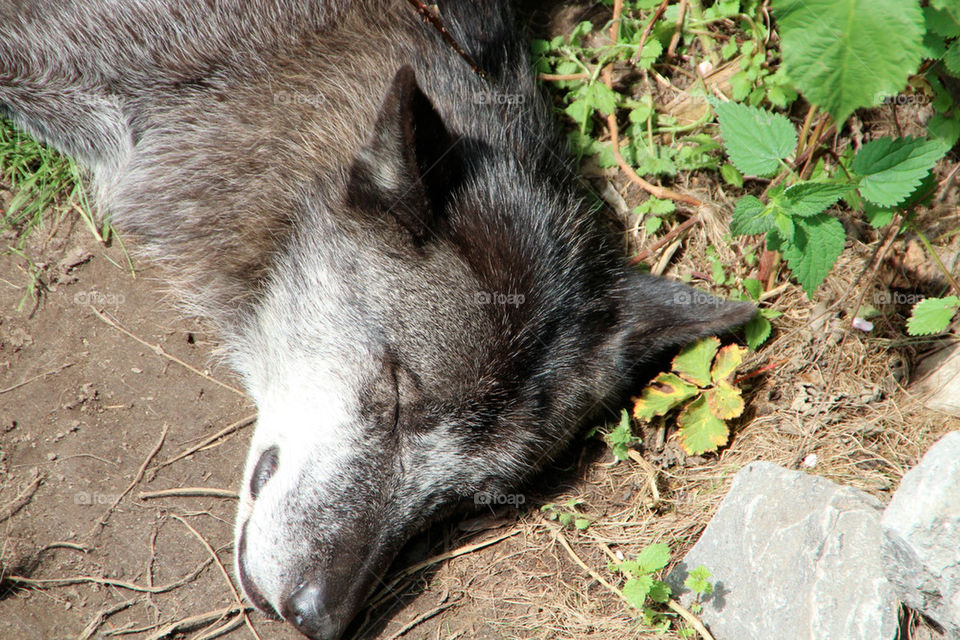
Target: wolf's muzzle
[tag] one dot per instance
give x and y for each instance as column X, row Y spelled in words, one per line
column 306, row 609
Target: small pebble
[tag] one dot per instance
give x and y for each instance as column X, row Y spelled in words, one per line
column 863, row 325
column 51, row 456
column 810, row 461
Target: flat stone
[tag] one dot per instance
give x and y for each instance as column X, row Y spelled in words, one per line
column 794, row 557
column 921, row 535
column 938, row 380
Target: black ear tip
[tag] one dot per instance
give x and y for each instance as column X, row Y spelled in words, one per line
column 405, row 80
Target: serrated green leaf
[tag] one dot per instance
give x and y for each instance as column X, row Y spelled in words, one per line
column 700, row 430
column 724, row 400
column 941, row 22
column 756, row 331
column 810, row 198
column 755, row 140
column 951, row 58
column 784, row 224
column 876, row 216
column 601, row 97
column 635, row 591
column 579, row 110
column 750, row 217
column 698, row 581
column 944, row 129
column 893, row 168
column 582, row 524
column 932, row 315
column 693, row 362
column 664, row 393
column 651, row 51
column 726, row 362
column 753, row 287
column 653, row 558
column 817, row 244
column 660, row 592
column 840, row 55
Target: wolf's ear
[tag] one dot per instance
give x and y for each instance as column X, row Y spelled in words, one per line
column 662, row 314
column 410, row 162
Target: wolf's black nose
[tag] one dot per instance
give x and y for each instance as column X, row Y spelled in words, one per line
column 305, row 607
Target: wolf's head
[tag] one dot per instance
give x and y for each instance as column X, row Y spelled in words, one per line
column 436, row 331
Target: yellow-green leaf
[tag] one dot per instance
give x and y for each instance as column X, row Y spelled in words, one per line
column 693, row 363
column 664, row 393
column 700, row 430
column 727, row 361
column 724, row 400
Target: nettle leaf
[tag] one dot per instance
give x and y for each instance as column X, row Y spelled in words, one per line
column 664, row 393
column 693, row 363
column 653, row 558
column 941, row 22
column 818, row 242
column 651, row 51
column 620, row 437
column 726, row 362
column 635, row 591
column 700, row 430
column 932, row 315
column 698, row 581
column 724, row 400
column 755, row 140
column 810, row 198
column 877, row 216
column 892, row 168
column 951, row 58
column 660, row 592
column 756, row 331
column 840, row 55
column 750, row 217
column 601, row 97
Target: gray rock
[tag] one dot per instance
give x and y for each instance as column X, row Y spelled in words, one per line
column 921, row 535
column 938, row 380
column 793, row 556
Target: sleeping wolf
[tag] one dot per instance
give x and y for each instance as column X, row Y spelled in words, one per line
column 390, row 242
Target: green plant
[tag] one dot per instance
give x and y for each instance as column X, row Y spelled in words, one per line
column 698, row 581
column 566, row 514
column 884, row 173
column 621, row 437
column 641, row 583
column 700, row 382
column 932, row 315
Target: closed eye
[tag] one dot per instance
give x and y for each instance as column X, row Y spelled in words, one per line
column 266, row 466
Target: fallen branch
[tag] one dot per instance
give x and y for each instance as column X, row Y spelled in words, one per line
column 23, row 498
column 189, row 492
column 136, row 479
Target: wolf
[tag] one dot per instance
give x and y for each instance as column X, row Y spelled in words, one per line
column 387, row 235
